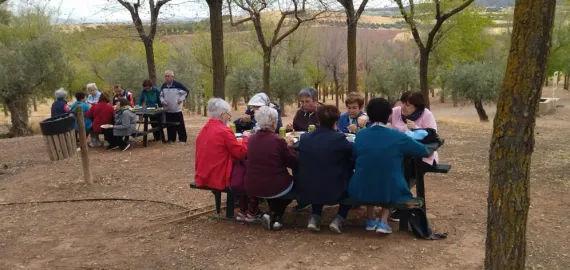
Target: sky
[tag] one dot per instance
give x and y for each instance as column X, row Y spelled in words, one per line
column 100, row 11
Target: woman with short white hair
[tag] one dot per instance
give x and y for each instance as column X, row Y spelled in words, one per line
column 268, row 157
column 94, row 94
column 59, row 106
column 217, row 147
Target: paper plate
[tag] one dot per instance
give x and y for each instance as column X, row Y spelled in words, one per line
column 107, row 126
column 239, row 135
column 297, row 133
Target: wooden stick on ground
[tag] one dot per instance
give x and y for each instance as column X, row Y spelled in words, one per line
column 83, row 144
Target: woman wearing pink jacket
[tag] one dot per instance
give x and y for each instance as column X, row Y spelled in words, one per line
column 413, row 114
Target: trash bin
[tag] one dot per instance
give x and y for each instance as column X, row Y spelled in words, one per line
column 59, row 136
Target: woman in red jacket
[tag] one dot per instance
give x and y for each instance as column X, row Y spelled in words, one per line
column 216, row 147
column 101, row 113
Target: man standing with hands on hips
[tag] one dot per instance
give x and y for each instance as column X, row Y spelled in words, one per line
column 172, row 94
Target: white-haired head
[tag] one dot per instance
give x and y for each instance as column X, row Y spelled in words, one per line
column 91, row 86
column 217, row 107
column 169, row 76
column 169, row 72
column 266, row 117
column 60, row 93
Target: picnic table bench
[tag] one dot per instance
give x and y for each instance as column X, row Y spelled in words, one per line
column 412, row 168
column 145, row 114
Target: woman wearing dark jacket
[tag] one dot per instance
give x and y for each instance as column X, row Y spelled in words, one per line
column 269, row 156
column 325, row 166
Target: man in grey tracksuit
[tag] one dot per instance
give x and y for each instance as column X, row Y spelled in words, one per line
column 172, row 94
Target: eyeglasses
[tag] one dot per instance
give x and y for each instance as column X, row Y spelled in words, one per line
column 229, row 115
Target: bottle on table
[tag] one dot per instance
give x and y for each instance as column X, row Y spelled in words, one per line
column 311, row 128
column 233, row 127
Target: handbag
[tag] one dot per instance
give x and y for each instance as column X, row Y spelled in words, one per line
column 237, row 178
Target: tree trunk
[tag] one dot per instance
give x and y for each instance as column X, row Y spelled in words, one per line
column 566, row 81
column 18, row 108
column 35, row 104
column 512, row 142
column 316, row 85
column 5, row 109
column 217, row 39
column 481, row 111
column 366, row 97
column 424, row 87
column 442, row 95
column 454, row 97
column 235, row 103
column 282, row 106
column 351, row 50
column 151, row 66
column 266, row 71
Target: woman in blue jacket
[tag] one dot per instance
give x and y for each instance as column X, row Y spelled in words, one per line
column 354, row 118
column 379, row 176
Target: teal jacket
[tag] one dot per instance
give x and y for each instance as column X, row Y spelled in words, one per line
column 85, row 107
column 150, row 98
column 379, row 174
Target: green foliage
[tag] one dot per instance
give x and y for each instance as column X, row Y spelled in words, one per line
column 286, row 81
column 244, row 81
column 391, row 79
column 477, row 81
column 31, row 56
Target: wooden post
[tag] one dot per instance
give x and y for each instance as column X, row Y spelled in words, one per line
column 83, row 144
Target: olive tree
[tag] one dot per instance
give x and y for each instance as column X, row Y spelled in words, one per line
column 32, row 63
column 393, row 78
column 285, row 84
column 478, row 82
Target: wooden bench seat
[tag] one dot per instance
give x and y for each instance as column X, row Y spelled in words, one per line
column 440, row 168
column 414, row 203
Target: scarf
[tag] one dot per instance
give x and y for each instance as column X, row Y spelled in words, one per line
column 414, row 116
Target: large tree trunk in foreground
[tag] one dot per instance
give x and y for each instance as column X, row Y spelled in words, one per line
column 18, row 108
column 217, row 39
column 512, row 143
column 481, row 111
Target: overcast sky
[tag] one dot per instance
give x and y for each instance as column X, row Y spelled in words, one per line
column 89, row 11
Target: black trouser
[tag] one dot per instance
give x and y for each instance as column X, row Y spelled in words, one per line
column 157, row 135
column 114, row 140
column 174, row 129
column 317, row 209
column 278, row 206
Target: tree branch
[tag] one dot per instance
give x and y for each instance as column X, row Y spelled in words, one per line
column 242, row 7
column 134, row 10
column 411, row 22
column 457, row 9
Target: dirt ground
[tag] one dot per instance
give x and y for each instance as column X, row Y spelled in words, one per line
column 127, row 235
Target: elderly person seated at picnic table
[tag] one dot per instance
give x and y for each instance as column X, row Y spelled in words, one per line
column 305, row 116
column 267, row 177
column 125, row 125
column 325, row 166
column 248, row 122
column 379, row 152
column 59, row 106
column 101, row 113
column 217, row 147
column 94, row 94
column 354, row 119
column 81, row 101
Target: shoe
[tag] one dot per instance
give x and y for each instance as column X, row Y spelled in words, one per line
column 112, row 147
column 266, row 221
column 383, row 227
column 395, row 215
column 252, row 217
column 336, row 225
column 278, row 224
column 240, row 216
column 314, row 223
column 371, row 224
column 126, row 147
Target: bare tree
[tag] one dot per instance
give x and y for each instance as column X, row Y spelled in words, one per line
column 254, row 8
column 147, row 37
column 333, row 60
column 352, row 17
column 425, row 48
column 367, row 56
